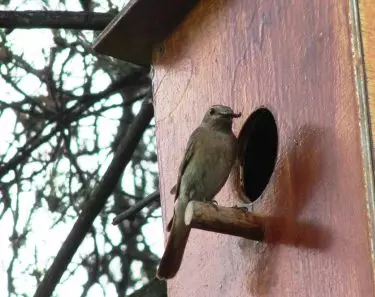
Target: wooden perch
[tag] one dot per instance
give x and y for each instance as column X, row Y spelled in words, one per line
column 226, row 220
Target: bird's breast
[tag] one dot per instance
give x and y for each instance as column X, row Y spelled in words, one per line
column 210, row 166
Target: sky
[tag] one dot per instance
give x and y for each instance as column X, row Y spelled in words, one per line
column 44, row 238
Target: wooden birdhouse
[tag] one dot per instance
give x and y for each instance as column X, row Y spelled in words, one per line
column 302, row 75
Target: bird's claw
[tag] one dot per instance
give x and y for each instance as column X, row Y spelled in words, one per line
column 246, row 207
column 214, row 204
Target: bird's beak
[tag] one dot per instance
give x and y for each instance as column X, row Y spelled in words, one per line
column 236, row 115
column 231, row 115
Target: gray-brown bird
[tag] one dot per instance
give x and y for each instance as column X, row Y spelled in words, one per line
column 209, row 157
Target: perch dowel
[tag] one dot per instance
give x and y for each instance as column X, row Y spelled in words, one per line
column 226, row 220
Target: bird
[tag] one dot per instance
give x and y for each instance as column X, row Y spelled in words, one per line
column 209, row 156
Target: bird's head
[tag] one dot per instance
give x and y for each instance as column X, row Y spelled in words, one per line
column 220, row 116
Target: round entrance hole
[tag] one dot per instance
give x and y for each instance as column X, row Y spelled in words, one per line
column 258, row 141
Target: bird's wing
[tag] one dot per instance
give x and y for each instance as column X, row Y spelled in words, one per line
column 173, row 190
column 189, row 152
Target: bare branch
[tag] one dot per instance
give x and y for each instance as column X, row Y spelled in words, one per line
column 80, row 20
column 129, row 213
column 99, row 198
column 155, row 288
column 23, row 154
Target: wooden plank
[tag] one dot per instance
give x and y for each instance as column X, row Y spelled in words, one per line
column 139, row 26
column 367, row 15
column 294, row 57
column 364, row 52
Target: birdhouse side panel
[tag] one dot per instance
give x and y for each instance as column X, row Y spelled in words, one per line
column 294, row 58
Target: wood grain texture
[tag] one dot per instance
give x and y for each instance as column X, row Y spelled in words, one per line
column 367, row 16
column 295, row 58
column 226, row 220
column 364, row 46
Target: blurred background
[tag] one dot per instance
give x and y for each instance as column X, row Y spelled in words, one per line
column 63, row 112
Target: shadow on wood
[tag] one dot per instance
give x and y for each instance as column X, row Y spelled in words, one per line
column 299, row 170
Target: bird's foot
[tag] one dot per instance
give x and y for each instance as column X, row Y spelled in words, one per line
column 247, row 207
column 214, row 204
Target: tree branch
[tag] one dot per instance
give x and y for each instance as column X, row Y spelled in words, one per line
column 100, row 196
column 55, row 19
column 71, row 115
column 129, row 213
column 34, row 142
column 155, row 288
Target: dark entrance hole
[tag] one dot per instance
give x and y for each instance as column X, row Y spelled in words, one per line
column 258, row 141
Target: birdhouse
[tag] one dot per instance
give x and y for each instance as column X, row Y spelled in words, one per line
column 302, row 75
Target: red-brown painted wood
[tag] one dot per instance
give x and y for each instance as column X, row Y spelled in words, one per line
column 295, row 58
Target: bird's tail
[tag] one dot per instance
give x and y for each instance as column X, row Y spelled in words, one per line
column 174, row 250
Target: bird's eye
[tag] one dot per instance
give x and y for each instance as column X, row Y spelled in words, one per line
column 212, row 111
